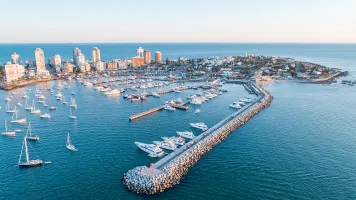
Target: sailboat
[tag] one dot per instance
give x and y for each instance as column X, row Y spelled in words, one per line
column 64, row 100
column 34, row 111
column 30, row 137
column 8, row 110
column 7, row 132
column 70, row 114
column 28, row 162
column 28, row 107
column 73, row 104
column 69, row 145
column 15, row 119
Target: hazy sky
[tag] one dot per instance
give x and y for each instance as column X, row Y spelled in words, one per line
column 178, row 21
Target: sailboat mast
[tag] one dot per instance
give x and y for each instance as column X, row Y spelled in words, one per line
column 26, row 148
column 22, row 149
column 5, row 126
column 68, row 139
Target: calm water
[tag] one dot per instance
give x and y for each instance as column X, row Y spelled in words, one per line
column 302, row 147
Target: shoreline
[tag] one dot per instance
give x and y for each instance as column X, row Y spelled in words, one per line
column 24, row 84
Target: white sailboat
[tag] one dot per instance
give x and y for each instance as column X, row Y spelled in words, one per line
column 28, row 107
column 29, row 134
column 69, row 145
column 15, row 119
column 73, row 104
column 34, row 111
column 64, row 100
column 7, row 132
column 28, row 162
column 8, row 110
column 71, row 116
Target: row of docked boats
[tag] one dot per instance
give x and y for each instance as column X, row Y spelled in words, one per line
column 169, row 143
column 199, row 98
column 241, row 103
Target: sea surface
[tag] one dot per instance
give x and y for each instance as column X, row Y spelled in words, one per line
column 302, row 147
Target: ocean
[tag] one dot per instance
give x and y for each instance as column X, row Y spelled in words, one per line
column 302, row 147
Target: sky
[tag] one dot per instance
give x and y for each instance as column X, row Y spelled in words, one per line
column 256, row 21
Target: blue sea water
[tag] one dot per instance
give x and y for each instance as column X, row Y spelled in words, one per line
column 302, row 147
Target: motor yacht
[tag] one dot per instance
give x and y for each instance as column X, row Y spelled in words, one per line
column 53, row 108
column 235, row 105
column 113, row 92
column 155, row 94
column 175, row 140
column 197, row 111
column 170, row 108
column 195, row 102
column 45, row 116
column 246, row 100
column 153, row 150
column 186, row 134
column 200, row 126
column 167, row 144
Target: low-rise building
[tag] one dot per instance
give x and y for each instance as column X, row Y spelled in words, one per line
column 14, row 72
column 111, row 65
column 67, row 68
column 99, row 66
column 138, row 61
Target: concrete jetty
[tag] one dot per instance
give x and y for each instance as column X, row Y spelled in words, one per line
column 148, row 112
column 168, row 171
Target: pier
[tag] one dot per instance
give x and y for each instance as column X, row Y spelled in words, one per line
column 168, row 171
column 148, row 112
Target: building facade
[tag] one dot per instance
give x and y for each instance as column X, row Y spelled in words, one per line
column 13, row 72
column 57, row 63
column 111, row 65
column 87, row 67
column 158, row 57
column 15, row 58
column 96, row 55
column 67, row 68
column 138, row 61
column 147, row 56
column 99, row 66
column 140, row 52
column 40, row 60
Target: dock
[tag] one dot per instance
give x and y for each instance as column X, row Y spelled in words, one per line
column 168, row 171
column 148, row 112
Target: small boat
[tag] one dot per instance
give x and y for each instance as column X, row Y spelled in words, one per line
column 152, row 150
column 53, row 108
column 8, row 110
column 155, row 94
column 73, row 93
column 71, row 116
column 170, row 108
column 27, row 107
column 73, row 104
column 34, row 111
column 45, row 105
column 28, row 162
column 64, row 100
column 48, row 162
column 235, row 105
column 200, row 126
column 7, row 132
column 167, row 144
column 186, row 134
column 15, row 119
column 29, row 134
column 175, row 140
column 45, row 116
column 197, row 111
column 18, row 130
column 69, row 145
column 19, row 104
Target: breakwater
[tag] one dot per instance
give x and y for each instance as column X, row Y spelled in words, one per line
column 168, row 171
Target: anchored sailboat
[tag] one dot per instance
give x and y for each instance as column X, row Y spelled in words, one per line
column 29, row 134
column 34, row 111
column 64, row 100
column 7, row 132
column 28, row 107
column 69, row 145
column 8, row 110
column 73, row 104
column 28, row 162
column 70, row 114
column 16, row 120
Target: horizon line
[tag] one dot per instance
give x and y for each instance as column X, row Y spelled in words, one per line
column 177, row 43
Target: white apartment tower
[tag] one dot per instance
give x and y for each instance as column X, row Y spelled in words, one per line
column 96, row 55
column 15, row 58
column 140, row 52
column 40, row 60
column 57, row 62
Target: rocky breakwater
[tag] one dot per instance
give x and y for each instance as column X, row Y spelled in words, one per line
column 144, row 180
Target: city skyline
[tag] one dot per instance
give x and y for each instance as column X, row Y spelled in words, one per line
column 225, row 21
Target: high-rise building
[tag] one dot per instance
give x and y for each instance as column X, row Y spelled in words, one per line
column 138, row 61
column 14, row 72
column 76, row 52
column 15, row 58
column 99, row 66
column 147, row 56
column 87, row 67
column 57, row 62
column 80, row 59
column 140, row 52
column 96, row 55
column 40, row 60
column 158, row 57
